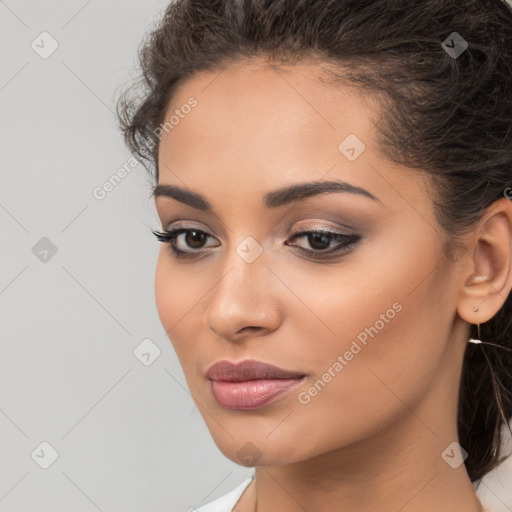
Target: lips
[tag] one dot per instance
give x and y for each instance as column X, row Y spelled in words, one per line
column 248, row 370
column 250, row 384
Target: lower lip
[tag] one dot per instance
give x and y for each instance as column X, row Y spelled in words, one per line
column 251, row 394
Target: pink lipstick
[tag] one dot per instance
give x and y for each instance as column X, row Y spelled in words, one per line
column 250, row 384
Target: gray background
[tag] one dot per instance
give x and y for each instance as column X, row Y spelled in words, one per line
column 76, row 285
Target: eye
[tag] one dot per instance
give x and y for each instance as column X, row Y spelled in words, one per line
column 320, row 240
column 194, row 238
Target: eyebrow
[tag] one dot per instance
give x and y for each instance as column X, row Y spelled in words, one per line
column 274, row 199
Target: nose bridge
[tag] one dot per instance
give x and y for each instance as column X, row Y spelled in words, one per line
column 243, row 269
column 240, row 297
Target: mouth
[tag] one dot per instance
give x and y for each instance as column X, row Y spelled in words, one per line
column 250, row 384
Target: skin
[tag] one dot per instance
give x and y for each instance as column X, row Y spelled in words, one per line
column 372, row 438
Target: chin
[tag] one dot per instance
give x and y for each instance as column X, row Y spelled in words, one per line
column 258, row 449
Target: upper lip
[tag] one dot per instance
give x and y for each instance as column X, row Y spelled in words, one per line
column 248, row 369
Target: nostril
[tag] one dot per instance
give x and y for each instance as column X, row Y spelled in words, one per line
column 248, row 327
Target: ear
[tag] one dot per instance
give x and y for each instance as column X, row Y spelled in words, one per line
column 486, row 278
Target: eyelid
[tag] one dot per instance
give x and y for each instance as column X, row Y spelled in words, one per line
column 303, row 226
column 300, row 226
column 185, row 225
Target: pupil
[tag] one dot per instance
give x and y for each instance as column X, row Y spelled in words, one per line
column 319, row 237
column 194, row 235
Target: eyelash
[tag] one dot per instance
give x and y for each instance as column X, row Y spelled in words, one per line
column 169, row 236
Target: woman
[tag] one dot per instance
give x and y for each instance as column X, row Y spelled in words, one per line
column 333, row 180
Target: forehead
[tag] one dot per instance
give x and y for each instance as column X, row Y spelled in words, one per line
column 255, row 117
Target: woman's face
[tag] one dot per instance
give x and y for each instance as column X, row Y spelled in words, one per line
column 373, row 326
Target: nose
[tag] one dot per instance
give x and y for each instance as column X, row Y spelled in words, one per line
column 242, row 304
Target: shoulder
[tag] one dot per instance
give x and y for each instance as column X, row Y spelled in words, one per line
column 226, row 502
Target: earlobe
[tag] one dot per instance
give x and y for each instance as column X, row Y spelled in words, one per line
column 487, row 284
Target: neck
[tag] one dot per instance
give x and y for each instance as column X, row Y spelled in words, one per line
column 401, row 477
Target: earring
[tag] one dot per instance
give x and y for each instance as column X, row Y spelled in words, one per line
column 471, row 340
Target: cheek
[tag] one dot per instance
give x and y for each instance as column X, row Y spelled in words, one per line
column 376, row 347
column 165, row 302
column 177, row 302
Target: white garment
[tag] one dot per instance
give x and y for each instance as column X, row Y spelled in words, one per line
column 226, row 502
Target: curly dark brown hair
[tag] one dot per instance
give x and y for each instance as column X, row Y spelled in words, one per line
column 447, row 115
